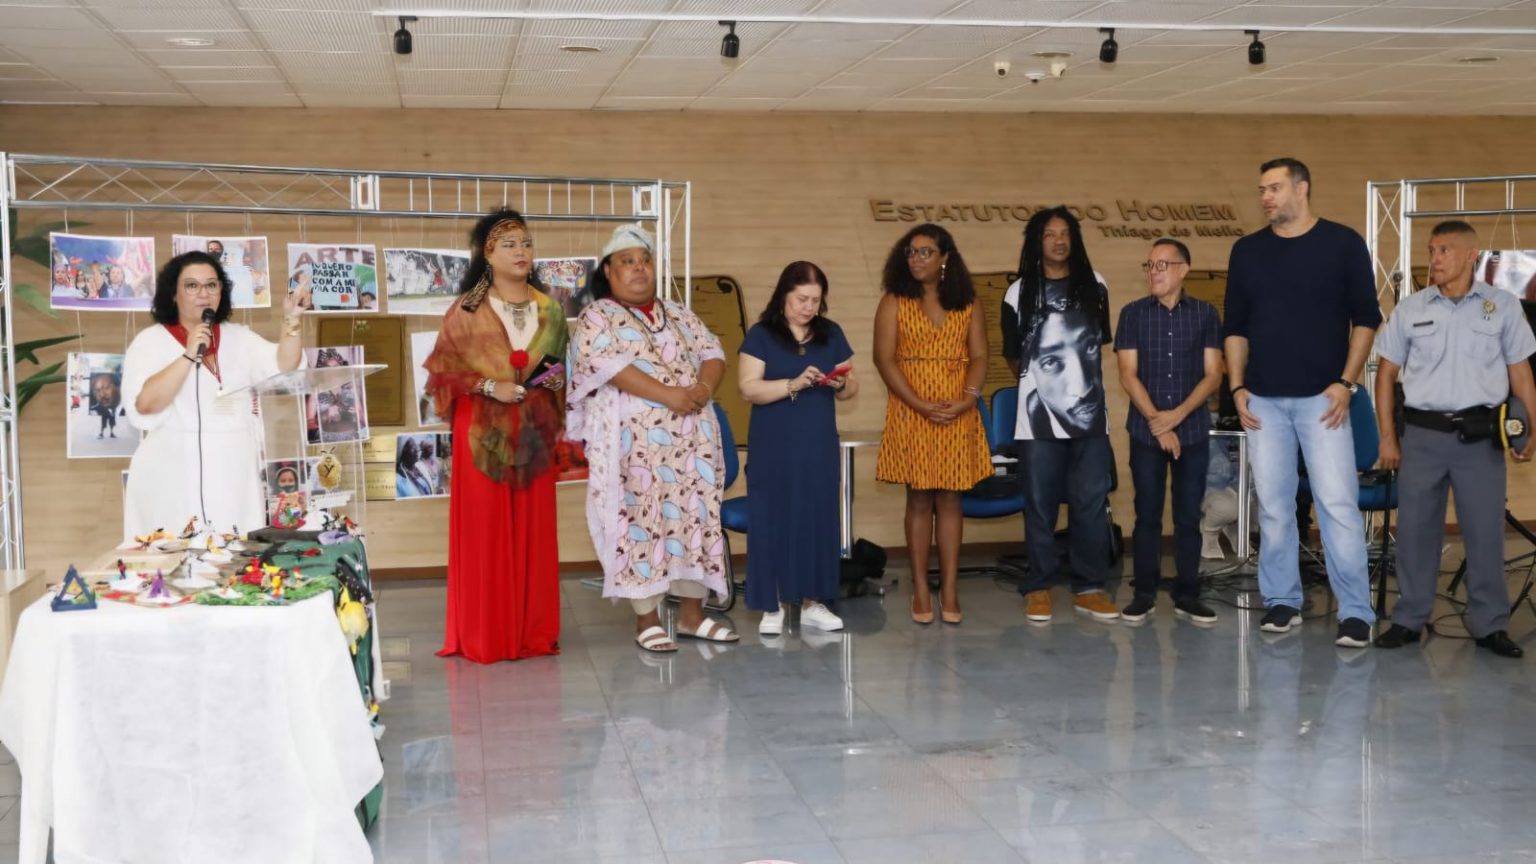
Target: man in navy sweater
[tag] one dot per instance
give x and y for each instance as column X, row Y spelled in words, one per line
column 1301, row 314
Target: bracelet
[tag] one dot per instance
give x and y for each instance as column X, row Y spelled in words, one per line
column 193, row 360
column 1239, row 388
column 974, row 391
column 789, row 388
column 487, row 387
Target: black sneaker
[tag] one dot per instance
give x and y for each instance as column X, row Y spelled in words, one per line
column 1138, row 611
column 1193, row 610
column 1280, row 619
column 1397, row 636
column 1353, row 633
column 1499, row 643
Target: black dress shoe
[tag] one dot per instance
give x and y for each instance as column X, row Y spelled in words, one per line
column 1499, row 643
column 1396, row 637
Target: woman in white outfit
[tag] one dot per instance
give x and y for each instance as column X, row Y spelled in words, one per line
column 200, row 452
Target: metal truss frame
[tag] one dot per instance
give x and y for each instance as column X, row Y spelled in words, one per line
column 72, row 183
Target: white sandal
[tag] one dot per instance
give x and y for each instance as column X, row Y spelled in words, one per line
column 652, row 638
column 710, row 630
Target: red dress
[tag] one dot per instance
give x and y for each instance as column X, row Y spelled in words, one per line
column 503, row 564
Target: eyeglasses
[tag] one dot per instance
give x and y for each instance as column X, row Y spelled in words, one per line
column 1159, row 266
column 922, row 253
column 203, row 288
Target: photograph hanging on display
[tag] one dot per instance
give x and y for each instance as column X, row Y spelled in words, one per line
column 568, row 281
column 422, row 463
column 245, row 263
column 421, row 348
column 339, row 414
column 1512, row 270
column 102, row 274
column 285, row 476
column 422, row 281
column 95, row 424
column 341, row 277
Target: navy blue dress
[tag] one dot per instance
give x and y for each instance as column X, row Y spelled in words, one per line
column 792, row 545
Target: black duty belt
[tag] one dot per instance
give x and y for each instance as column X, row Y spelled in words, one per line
column 1470, row 424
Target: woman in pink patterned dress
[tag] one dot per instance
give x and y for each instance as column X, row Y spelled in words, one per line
column 643, row 374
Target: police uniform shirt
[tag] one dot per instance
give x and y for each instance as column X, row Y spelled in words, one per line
column 1456, row 355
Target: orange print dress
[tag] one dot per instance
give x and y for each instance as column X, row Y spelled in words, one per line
column 915, row 451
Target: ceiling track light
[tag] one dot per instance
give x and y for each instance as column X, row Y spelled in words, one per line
column 403, row 36
column 730, row 43
column 1255, row 49
column 1109, row 51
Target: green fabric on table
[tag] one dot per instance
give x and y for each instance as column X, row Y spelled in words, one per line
column 252, row 595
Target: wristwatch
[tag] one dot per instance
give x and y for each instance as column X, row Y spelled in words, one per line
column 1351, row 386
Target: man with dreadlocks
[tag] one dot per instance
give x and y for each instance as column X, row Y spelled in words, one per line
column 1055, row 322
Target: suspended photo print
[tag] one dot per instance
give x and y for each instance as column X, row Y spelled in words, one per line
column 102, row 274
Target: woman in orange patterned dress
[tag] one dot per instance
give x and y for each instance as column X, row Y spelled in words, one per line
column 931, row 351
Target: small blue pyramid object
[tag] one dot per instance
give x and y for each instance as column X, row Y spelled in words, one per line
column 74, row 594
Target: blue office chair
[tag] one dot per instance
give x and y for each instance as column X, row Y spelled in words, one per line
column 733, row 511
column 996, row 496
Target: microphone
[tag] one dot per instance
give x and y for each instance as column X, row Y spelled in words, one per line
column 207, row 319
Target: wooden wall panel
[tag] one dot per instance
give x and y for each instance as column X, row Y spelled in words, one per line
column 768, row 189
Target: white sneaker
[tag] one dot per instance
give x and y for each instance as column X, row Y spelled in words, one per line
column 1210, row 545
column 820, row 617
column 772, row 623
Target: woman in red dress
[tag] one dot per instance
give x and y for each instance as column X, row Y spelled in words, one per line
column 503, row 561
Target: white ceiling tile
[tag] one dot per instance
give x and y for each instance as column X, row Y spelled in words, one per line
column 228, row 40
column 458, row 82
column 345, row 96
column 324, row 7
column 207, row 57
column 245, row 95
column 210, row 17
column 23, row 72
column 44, row 18
column 551, row 46
column 578, row 30
column 289, row 21
column 167, row 98
column 766, row 85
column 324, row 66
column 321, row 40
column 644, row 103
column 736, row 104
column 748, row 7
column 492, row 101
column 84, row 39
column 224, row 74
column 569, row 98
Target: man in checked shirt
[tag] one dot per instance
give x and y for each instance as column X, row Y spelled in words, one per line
column 1169, row 349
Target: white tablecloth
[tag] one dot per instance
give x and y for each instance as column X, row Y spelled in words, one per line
column 192, row 734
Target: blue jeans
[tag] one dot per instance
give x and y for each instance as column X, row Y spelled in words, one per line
column 1073, row 471
column 1150, row 467
column 1335, row 484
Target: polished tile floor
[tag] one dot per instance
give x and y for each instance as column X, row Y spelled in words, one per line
column 997, row 741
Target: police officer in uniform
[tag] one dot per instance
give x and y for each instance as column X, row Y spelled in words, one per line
column 1461, row 347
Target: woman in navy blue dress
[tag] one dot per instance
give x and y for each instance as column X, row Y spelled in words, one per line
column 795, row 364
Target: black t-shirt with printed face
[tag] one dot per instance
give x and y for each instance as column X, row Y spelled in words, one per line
column 1061, row 374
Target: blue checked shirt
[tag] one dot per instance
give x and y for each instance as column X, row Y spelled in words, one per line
column 1170, row 360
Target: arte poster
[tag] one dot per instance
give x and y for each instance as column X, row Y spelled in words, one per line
column 95, row 424
column 568, row 281
column 339, row 414
column 244, row 260
column 423, row 281
column 340, row 278
column 421, row 348
column 102, row 274
column 1509, row 270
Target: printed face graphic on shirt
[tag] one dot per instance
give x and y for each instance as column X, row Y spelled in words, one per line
column 1067, row 373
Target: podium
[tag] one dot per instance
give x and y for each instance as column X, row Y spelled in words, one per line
column 325, row 454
